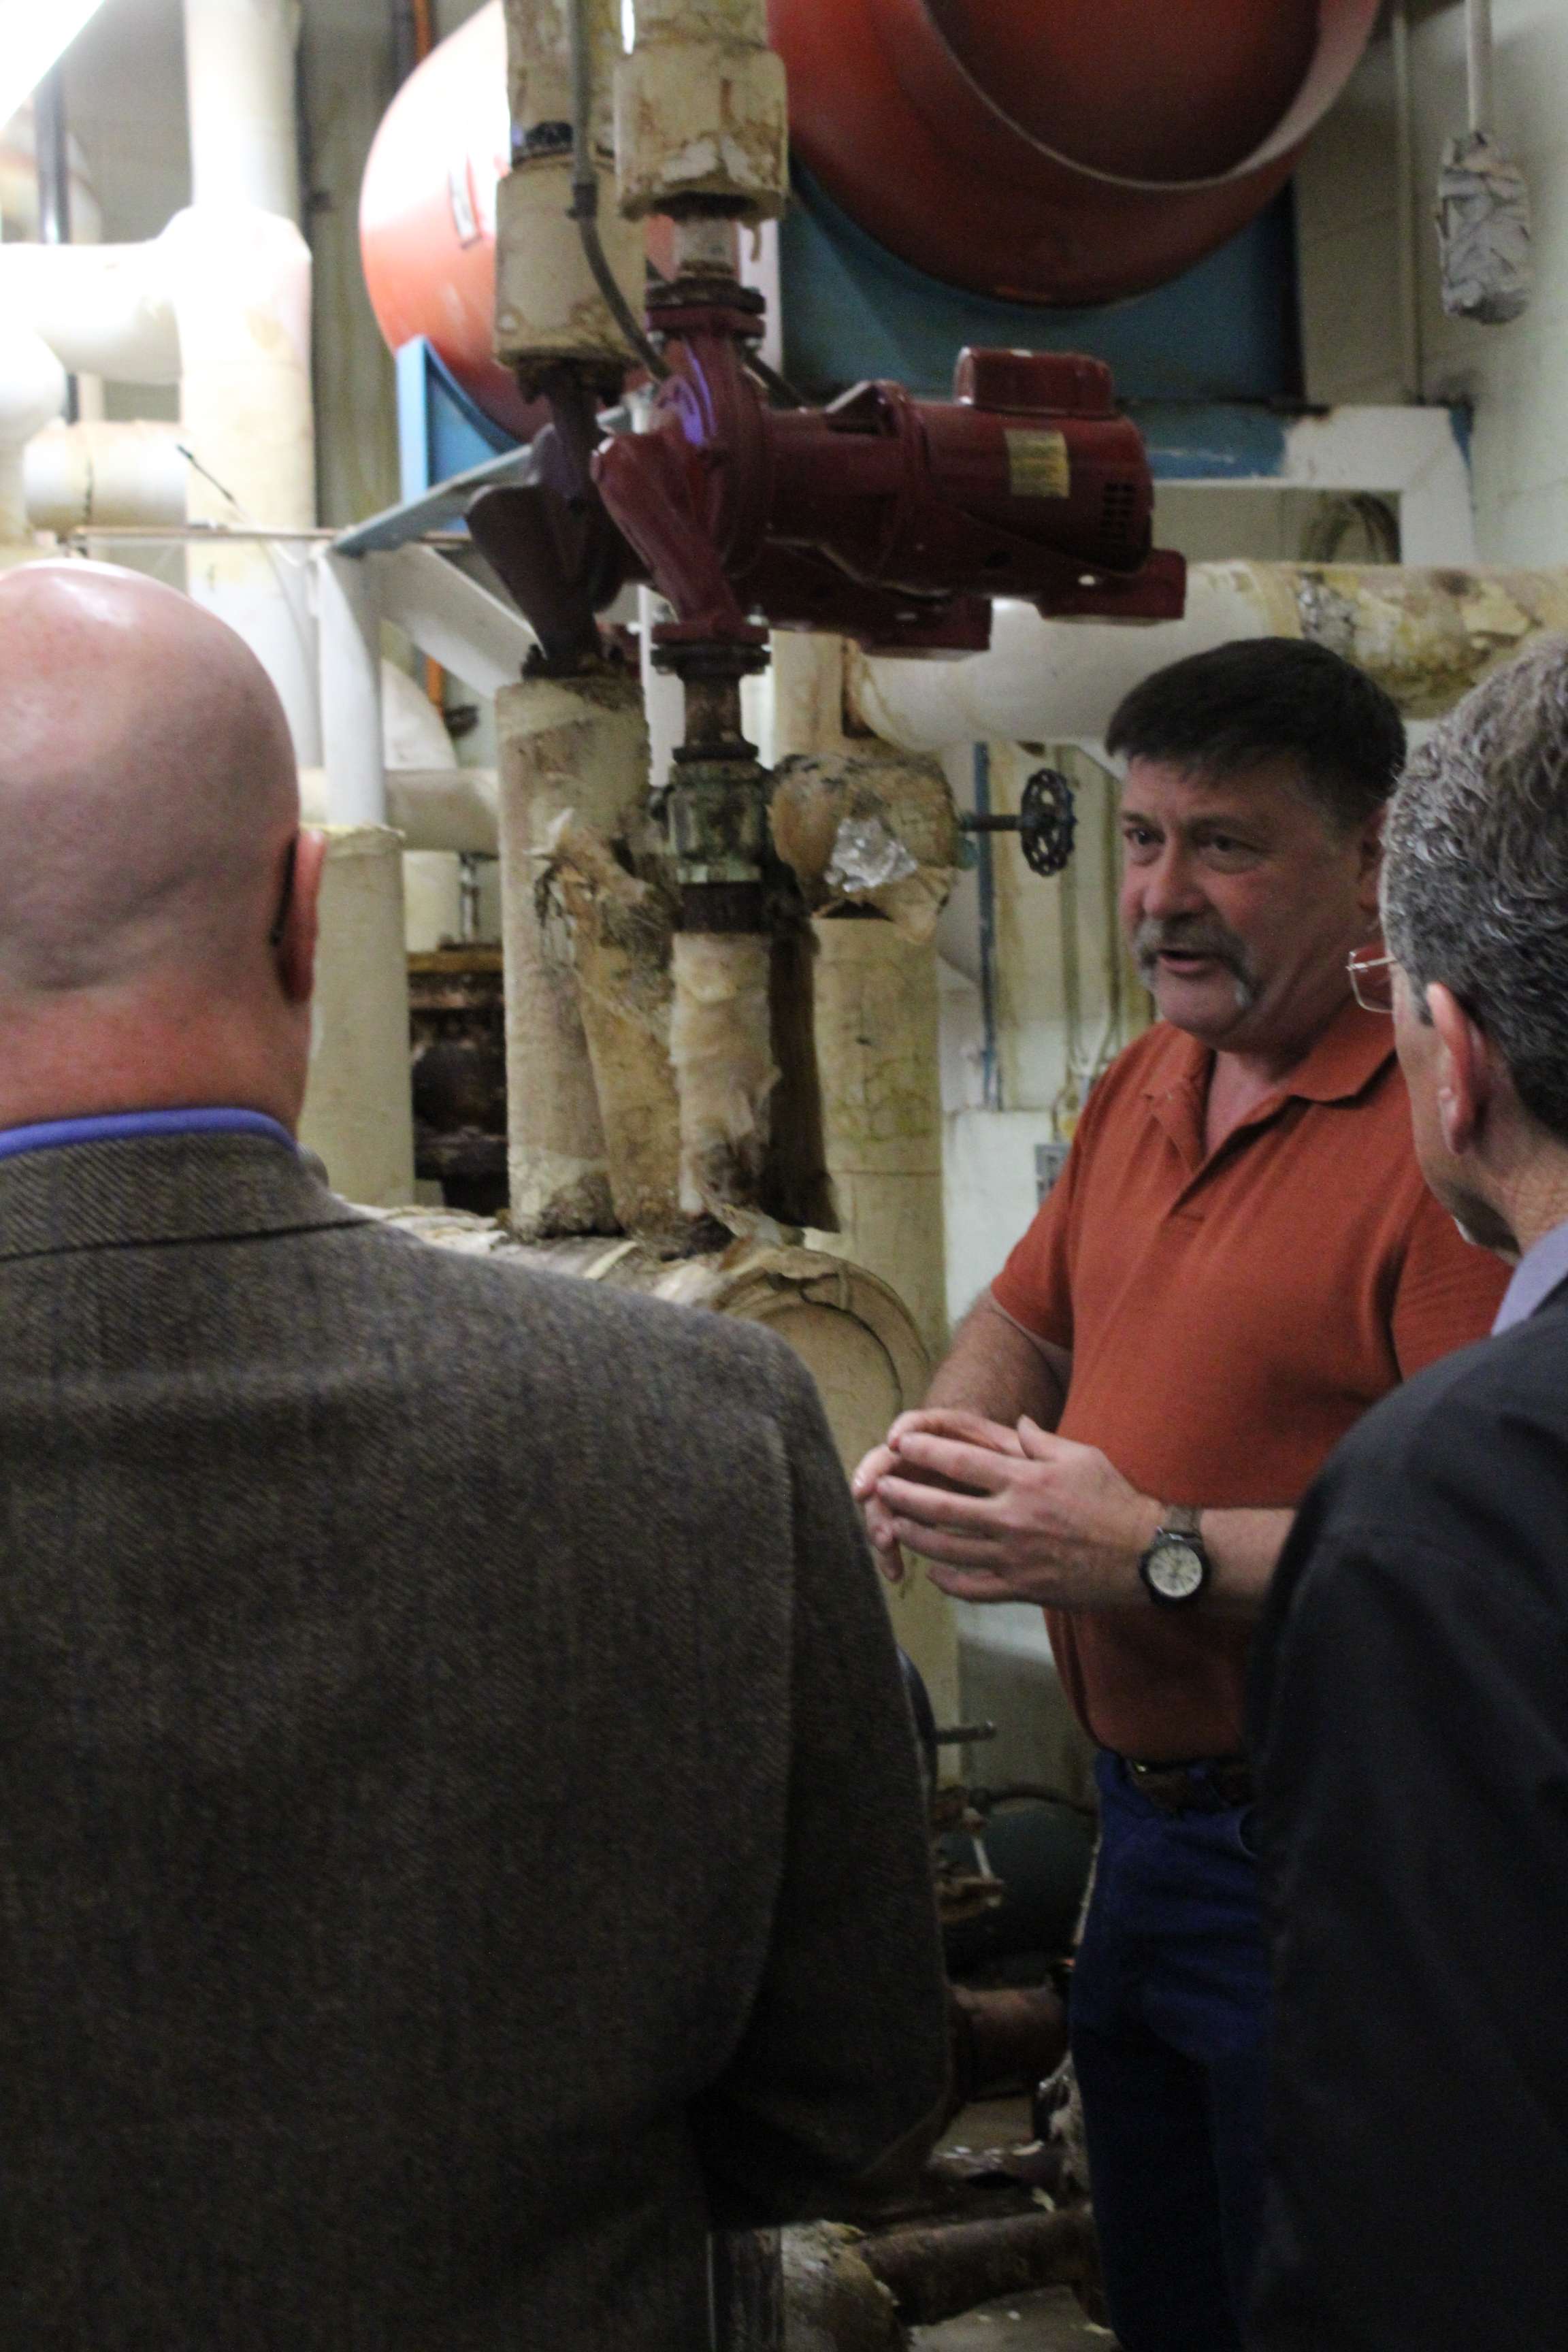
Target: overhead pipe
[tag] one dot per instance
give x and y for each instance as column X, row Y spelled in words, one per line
column 104, row 309
column 240, row 98
column 1425, row 636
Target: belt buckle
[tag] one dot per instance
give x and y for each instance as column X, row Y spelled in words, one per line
column 1206, row 1785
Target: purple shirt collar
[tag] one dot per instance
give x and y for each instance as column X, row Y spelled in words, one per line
column 117, row 1126
column 1537, row 1274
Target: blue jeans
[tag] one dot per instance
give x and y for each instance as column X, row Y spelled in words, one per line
column 1170, row 2017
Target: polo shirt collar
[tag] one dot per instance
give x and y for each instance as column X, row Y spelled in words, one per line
column 1344, row 1058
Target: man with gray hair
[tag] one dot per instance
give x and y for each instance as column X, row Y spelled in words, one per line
column 1411, row 1696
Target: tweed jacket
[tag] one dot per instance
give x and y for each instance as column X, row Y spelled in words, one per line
column 459, row 1831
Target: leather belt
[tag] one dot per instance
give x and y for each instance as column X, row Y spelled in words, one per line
column 1210, row 1785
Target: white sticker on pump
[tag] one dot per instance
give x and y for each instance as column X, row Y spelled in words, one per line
column 1038, row 466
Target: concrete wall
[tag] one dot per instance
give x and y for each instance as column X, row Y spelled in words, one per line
column 1516, row 377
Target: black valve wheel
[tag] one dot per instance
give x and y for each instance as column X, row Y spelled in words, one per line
column 1048, row 821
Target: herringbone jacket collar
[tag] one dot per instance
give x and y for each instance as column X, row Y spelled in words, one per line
column 153, row 1188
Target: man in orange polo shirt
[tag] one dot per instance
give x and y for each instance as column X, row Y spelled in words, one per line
column 1239, row 1259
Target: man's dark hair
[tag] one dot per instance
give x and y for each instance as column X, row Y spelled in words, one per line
column 1220, row 713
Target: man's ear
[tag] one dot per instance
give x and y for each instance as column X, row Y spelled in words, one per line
column 1369, row 844
column 297, row 948
column 1466, row 1074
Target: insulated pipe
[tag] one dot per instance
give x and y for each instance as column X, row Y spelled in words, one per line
column 32, row 392
column 548, row 309
column 241, row 281
column 1427, row 637
column 105, row 309
column 452, row 810
column 702, row 111
column 239, row 87
column 118, row 475
column 348, row 635
column 575, row 746
column 359, row 1112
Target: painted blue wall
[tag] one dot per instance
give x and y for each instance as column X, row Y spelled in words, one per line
column 1225, row 331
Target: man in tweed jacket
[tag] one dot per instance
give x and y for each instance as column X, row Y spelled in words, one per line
column 460, row 1834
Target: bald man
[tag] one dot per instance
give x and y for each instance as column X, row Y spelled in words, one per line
column 459, row 1830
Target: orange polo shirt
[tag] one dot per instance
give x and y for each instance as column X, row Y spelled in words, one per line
column 1229, row 1317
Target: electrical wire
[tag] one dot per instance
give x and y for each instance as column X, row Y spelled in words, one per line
column 584, row 208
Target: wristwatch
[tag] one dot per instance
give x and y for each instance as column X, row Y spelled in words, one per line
column 1176, row 1566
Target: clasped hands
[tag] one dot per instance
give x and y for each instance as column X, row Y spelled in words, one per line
column 1004, row 1514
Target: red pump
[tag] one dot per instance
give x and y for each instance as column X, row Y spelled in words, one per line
column 890, row 520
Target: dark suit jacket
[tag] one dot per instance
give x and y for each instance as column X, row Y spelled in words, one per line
column 1412, row 1732
column 458, row 1820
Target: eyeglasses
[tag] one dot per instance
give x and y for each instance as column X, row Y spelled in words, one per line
column 1371, row 980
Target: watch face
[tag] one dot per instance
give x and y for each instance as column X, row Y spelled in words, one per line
column 1175, row 1570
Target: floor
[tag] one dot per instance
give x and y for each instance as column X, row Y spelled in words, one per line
column 1050, row 2321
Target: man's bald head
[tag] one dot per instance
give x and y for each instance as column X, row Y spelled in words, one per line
column 148, row 792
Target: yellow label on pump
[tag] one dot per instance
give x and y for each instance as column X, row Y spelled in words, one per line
column 1037, row 464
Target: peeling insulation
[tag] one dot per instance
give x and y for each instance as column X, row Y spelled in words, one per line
column 701, row 109
column 722, row 1047
column 877, row 830
column 876, row 1015
column 572, row 749
column 1427, row 637
column 621, row 928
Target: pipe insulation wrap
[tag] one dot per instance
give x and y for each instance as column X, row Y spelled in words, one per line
column 358, row 1114
column 703, row 110
column 548, row 307
column 720, row 1044
column 119, row 475
column 1427, row 636
column 240, row 96
column 104, row 309
column 569, row 748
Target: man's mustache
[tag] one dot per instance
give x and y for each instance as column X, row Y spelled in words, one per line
column 1188, row 937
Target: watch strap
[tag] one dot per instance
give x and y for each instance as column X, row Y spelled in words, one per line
column 1181, row 1519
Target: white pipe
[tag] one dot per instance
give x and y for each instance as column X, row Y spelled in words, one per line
column 104, row 309
column 1051, row 681
column 359, row 1113
column 453, row 810
column 239, row 86
column 348, row 629
column 241, row 281
column 121, row 475
column 32, row 392
column 1426, row 634
column 1478, row 63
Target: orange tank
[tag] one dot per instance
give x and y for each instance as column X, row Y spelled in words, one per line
column 1058, row 151
column 1061, row 152
column 427, row 211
